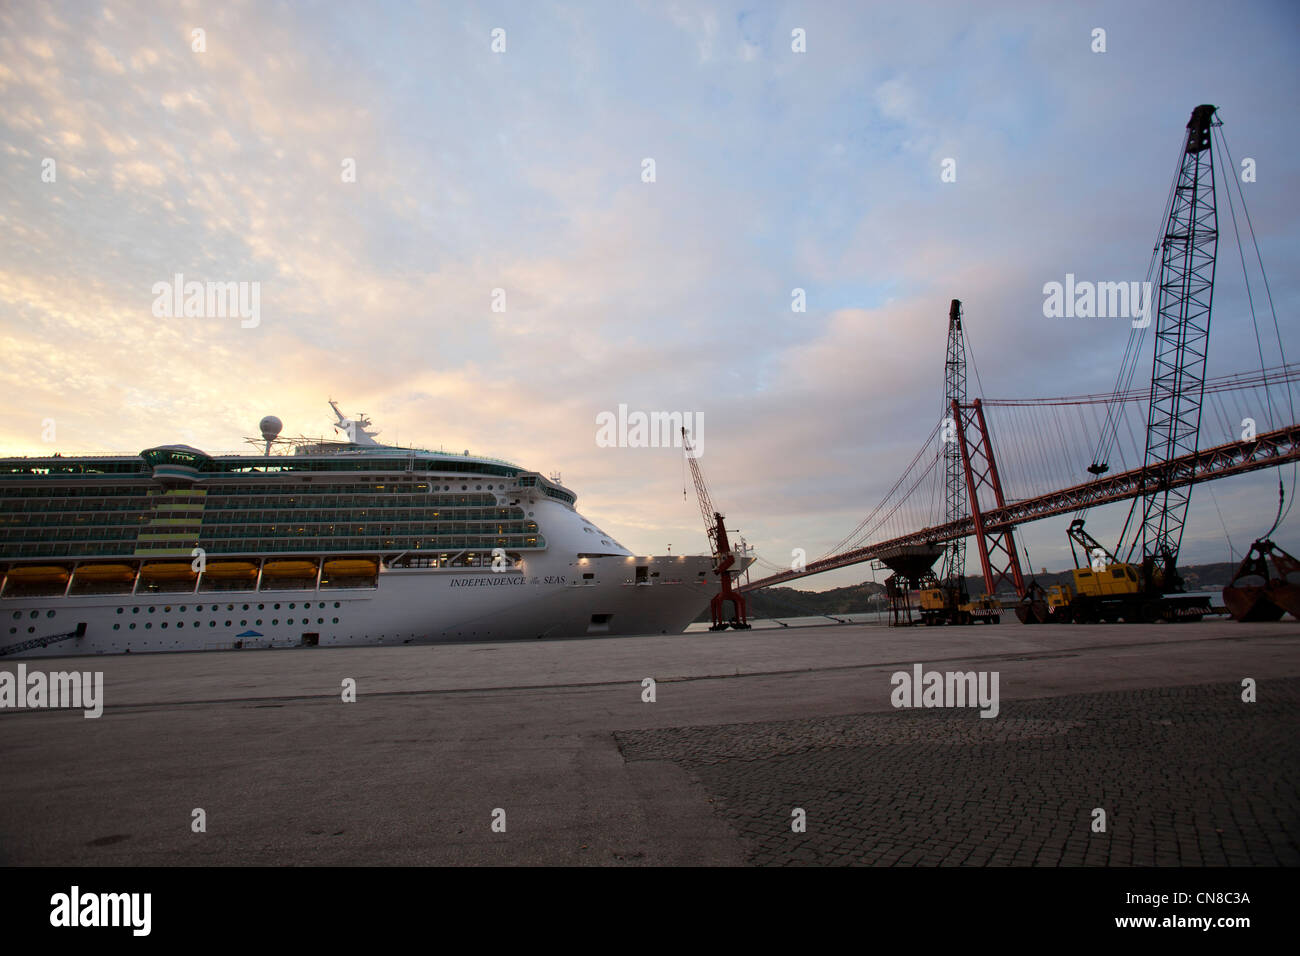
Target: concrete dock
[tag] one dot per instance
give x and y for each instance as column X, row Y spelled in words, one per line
column 1144, row 722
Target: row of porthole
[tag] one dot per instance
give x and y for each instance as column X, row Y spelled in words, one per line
column 216, row 607
column 244, row 623
column 136, row 610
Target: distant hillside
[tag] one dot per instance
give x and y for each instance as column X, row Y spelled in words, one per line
column 788, row 602
column 781, row 602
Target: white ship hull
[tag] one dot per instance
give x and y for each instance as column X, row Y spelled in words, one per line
column 544, row 599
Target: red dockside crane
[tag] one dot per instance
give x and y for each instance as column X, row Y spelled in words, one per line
column 724, row 557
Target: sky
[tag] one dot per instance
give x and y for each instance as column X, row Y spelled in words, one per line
column 463, row 243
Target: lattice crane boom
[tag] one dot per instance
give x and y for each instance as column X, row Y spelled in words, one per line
column 953, row 569
column 1182, row 332
column 724, row 558
column 712, row 520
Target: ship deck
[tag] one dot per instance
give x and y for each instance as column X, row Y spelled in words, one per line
column 745, row 727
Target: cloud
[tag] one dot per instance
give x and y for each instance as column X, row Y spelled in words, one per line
column 103, row 59
column 521, row 171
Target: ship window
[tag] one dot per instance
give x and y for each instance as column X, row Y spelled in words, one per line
column 336, row 620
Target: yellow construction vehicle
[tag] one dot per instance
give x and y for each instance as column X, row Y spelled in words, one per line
column 1059, row 598
column 1050, row 605
column 1112, row 590
column 939, row 602
column 985, row 608
column 951, row 604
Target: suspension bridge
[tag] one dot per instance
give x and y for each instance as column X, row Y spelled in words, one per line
column 1038, row 446
column 990, row 465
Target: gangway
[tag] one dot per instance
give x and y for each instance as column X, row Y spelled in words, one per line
column 46, row 641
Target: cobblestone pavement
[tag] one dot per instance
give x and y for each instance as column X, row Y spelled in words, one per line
column 1188, row 776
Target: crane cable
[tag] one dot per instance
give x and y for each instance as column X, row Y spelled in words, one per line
column 1259, row 345
column 865, row 522
column 1133, row 352
column 1137, row 334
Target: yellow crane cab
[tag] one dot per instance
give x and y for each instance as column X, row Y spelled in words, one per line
column 1109, row 580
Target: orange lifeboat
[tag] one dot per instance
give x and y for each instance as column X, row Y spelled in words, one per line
column 289, row 569
column 38, row 573
column 106, row 573
column 351, row 567
column 231, row 569
column 168, row 571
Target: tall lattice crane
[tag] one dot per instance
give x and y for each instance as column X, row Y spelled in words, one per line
column 953, row 569
column 1182, row 334
column 724, row 557
column 1187, row 249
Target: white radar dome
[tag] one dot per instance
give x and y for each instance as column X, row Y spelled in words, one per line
column 270, row 426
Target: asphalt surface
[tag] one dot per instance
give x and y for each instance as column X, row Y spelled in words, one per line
column 1145, row 722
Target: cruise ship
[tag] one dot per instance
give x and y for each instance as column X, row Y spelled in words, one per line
column 313, row 543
